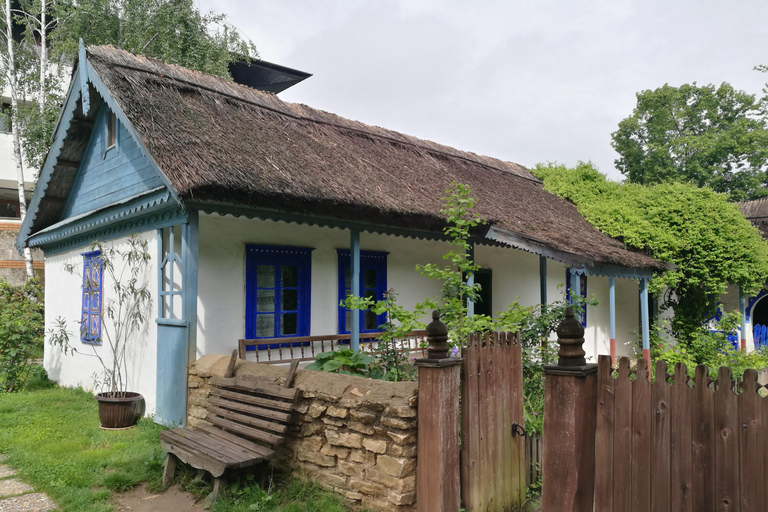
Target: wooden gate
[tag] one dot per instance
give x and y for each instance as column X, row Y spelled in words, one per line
column 492, row 456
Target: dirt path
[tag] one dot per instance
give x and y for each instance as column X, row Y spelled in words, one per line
column 171, row 500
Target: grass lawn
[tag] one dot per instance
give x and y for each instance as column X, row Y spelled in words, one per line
column 52, row 437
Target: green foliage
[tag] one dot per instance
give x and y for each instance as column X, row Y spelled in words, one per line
column 174, row 31
column 286, row 495
column 696, row 229
column 346, row 361
column 21, row 332
column 702, row 135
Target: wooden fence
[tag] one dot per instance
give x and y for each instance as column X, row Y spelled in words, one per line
column 677, row 443
column 533, row 453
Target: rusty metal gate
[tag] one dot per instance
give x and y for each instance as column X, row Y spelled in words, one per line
column 492, row 435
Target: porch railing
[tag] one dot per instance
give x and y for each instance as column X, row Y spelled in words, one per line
column 306, row 348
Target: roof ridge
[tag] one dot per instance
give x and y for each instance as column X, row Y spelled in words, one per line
column 405, row 140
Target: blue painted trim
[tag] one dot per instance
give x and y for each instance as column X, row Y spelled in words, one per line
column 580, row 278
column 84, row 90
column 159, row 259
column 354, row 251
column 102, row 89
column 277, row 256
column 634, row 274
column 91, row 260
column 742, row 310
column 645, row 322
column 190, row 242
column 612, row 306
column 752, row 302
column 470, row 279
column 543, row 281
column 67, row 113
column 368, row 260
column 171, row 321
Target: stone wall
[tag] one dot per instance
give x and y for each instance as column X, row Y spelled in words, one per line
column 352, row 435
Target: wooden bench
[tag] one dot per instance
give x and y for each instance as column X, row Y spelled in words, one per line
column 249, row 417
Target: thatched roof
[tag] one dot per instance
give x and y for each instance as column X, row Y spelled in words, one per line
column 220, row 142
column 756, row 211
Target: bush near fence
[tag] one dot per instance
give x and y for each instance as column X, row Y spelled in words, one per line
column 354, row 436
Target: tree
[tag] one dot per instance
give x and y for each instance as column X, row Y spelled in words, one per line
column 696, row 229
column 707, row 136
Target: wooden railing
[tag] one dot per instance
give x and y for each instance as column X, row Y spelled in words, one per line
column 306, row 348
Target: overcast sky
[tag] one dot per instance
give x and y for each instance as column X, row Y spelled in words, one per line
column 527, row 82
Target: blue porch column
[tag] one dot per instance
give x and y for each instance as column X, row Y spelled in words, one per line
column 471, row 279
column 645, row 323
column 743, row 312
column 354, row 255
column 543, row 282
column 612, row 314
column 189, row 258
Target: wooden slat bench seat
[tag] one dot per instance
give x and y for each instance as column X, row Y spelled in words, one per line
column 248, row 418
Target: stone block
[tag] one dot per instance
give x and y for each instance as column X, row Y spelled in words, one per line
column 350, row 495
column 316, row 409
column 347, row 439
column 401, row 411
column 198, row 412
column 402, row 498
column 308, row 429
column 333, row 421
column 394, row 422
column 396, row 466
column 403, row 451
column 358, row 426
column 334, row 451
column 352, row 469
column 303, row 407
column 337, row 412
column 363, row 416
column 330, row 479
column 198, row 401
column 371, row 503
column 402, row 438
column 366, row 487
column 362, row 457
column 313, row 443
column 375, row 445
column 316, row 458
column 405, row 484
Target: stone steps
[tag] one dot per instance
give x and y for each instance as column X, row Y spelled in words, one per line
column 17, row 496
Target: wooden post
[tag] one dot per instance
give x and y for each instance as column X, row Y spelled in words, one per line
column 570, row 415
column 438, row 482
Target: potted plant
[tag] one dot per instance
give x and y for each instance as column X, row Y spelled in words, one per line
column 111, row 322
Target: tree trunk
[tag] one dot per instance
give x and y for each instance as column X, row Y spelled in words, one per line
column 13, row 86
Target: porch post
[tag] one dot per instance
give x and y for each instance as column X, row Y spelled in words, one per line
column 612, row 321
column 743, row 312
column 543, row 282
column 438, row 474
column 354, row 254
column 471, row 279
column 645, row 324
column 570, row 418
column 189, row 247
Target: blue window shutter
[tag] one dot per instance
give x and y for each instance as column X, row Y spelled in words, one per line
column 582, row 293
column 93, row 280
column 281, row 278
column 375, row 261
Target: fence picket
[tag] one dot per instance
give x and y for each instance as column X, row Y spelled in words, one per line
column 622, row 440
column 681, row 461
column 604, row 440
column 660, row 430
column 751, row 445
column 641, row 439
column 703, row 443
column 515, row 382
column 726, row 443
column 505, row 413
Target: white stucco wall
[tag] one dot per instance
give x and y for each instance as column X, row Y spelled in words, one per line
column 221, row 281
column 63, row 299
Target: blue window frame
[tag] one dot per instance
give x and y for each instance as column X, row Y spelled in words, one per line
column 277, row 294
column 373, row 283
column 582, row 293
column 93, row 280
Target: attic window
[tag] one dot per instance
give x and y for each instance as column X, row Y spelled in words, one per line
column 111, row 129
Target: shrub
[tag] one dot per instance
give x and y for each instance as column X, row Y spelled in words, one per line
column 21, row 332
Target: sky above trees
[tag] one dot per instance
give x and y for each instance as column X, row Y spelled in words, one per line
column 523, row 81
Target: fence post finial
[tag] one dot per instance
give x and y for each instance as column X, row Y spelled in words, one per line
column 570, row 336
column 437, row 337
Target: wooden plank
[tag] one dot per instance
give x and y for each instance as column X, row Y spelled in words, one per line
column 660, row 430
column 485, row 448
column 751, row 446
column 465, row 407
column 622, row 439
column 180, row 437
column 726, row 443
column 250, row 409
column 253, row 400
column 230, row 371
column 247, row 420
column 506, row 440
column 194, row 458
column 703, row 443
column 262, row 451
column 215, row 444
column 604, row 436
column 244, row 430
column 641, row 439
column 681, row 461
column 764, row 431
column 515, row 383
column 496, row 435
column 255, row 385
column 291, row 374
column 472, row 501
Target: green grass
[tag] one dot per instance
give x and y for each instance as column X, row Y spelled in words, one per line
column 51, row 436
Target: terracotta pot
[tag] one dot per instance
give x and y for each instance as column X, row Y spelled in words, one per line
column 119, row 412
